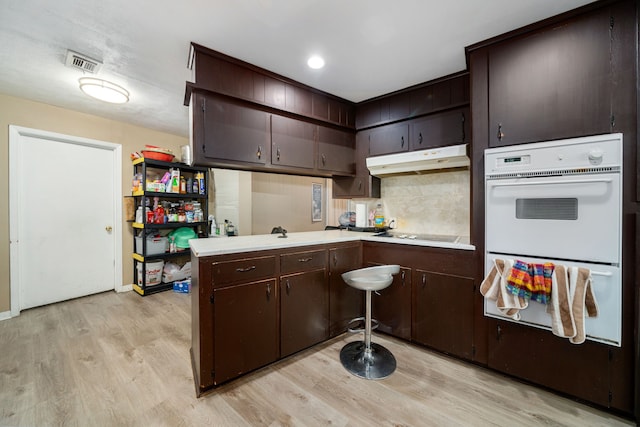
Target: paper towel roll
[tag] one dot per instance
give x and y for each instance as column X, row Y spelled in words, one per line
column 361, row 215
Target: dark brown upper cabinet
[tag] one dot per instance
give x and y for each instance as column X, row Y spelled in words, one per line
column 231, row 134
column 389, row 139
column 427, row 98
column 292, row 142
column 440, row 129
column 223, row 74
column 551, row 84
column 336, row 150
column 228, row 132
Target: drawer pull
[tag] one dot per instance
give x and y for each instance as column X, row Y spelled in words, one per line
column 244, row 270
column 305, row 259
column 288, row 287
column 268, row 291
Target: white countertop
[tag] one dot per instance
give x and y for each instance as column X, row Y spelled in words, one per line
column 260, row 242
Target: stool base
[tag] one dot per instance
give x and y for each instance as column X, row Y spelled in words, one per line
column 373, row 364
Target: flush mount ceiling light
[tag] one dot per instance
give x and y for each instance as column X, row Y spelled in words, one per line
column 315, row 62
column 104, row 90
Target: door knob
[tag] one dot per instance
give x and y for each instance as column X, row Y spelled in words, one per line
column 108, row 228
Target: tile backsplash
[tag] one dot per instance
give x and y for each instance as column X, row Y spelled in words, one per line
column 429, row 203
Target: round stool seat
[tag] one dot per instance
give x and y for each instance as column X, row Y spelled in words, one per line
column 371, row 278
column 364, row 358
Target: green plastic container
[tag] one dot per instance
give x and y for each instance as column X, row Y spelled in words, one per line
column 182, row 236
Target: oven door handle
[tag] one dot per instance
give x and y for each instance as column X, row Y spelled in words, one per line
column 593, row 272
column 576, row 181
column 602, row 273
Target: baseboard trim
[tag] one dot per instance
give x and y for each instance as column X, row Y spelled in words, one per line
column 125, row 288
column 5, row 315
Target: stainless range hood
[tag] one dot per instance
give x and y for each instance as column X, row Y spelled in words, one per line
column 416, row 161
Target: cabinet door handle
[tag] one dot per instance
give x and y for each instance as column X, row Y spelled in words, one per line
column 324, row 160
column 403, row 274
column 268, row 290
column 244, row 270
column 259, row 152
column 360, row 185
column 420, row 138
column 305, row 259
column 335, row 259
column 278, row 154
column 464, row 136
column 402, row 141
column 288, row 287
column 500, row 133
column 424, row 280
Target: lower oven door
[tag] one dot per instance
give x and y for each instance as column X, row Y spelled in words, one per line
column 607, row 287
column 576, row 217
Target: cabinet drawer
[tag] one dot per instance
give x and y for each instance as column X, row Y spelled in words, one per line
column 243, row 270
column 303, row 261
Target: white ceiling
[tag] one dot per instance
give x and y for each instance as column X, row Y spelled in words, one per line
column 371, row 47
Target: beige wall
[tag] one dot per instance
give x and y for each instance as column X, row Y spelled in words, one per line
column 20, row 112
column 282, row 200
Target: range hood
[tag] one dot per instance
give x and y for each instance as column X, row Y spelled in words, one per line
column 416, row 161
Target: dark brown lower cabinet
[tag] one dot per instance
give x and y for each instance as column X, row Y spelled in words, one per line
column 304, row 310
column 541, row 357
column 345, row 302
column 391, row 306
column 443, row 312
column 245, row 319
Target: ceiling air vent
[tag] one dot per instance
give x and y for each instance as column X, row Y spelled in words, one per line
column 82, row 62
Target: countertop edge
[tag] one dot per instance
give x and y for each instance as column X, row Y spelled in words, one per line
column 240, row 244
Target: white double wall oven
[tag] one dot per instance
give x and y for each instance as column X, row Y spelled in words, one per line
column 561, row 202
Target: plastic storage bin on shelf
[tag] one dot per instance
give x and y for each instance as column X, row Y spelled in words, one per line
column 155, row 245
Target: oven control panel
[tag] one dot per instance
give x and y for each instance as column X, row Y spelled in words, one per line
column 584, row 152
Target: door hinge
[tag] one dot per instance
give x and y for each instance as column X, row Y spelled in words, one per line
column 613, row 121
column 610, row 397
column 204, row 105
column 611, row 22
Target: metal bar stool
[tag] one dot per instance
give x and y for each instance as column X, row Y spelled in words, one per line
column 364, row 358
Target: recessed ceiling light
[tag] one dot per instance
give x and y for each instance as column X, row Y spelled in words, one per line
column 104, row 90
column 315, row 62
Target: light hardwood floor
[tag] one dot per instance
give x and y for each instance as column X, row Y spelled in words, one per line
column 120, row 359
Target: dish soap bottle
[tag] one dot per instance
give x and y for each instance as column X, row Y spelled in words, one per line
column 378, row 219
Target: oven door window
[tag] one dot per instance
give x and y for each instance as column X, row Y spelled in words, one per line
column 563, row 209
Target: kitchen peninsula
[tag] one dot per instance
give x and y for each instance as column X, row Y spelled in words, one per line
column 258, row 299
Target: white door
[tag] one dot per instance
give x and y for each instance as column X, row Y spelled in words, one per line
column 65, row 217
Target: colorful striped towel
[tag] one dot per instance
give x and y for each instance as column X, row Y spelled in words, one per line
column 531, row 281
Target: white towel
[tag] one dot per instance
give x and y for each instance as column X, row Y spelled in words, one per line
column 572, row 299
column 494, row 287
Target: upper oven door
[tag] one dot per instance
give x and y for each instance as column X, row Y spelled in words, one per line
column 575, row 217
